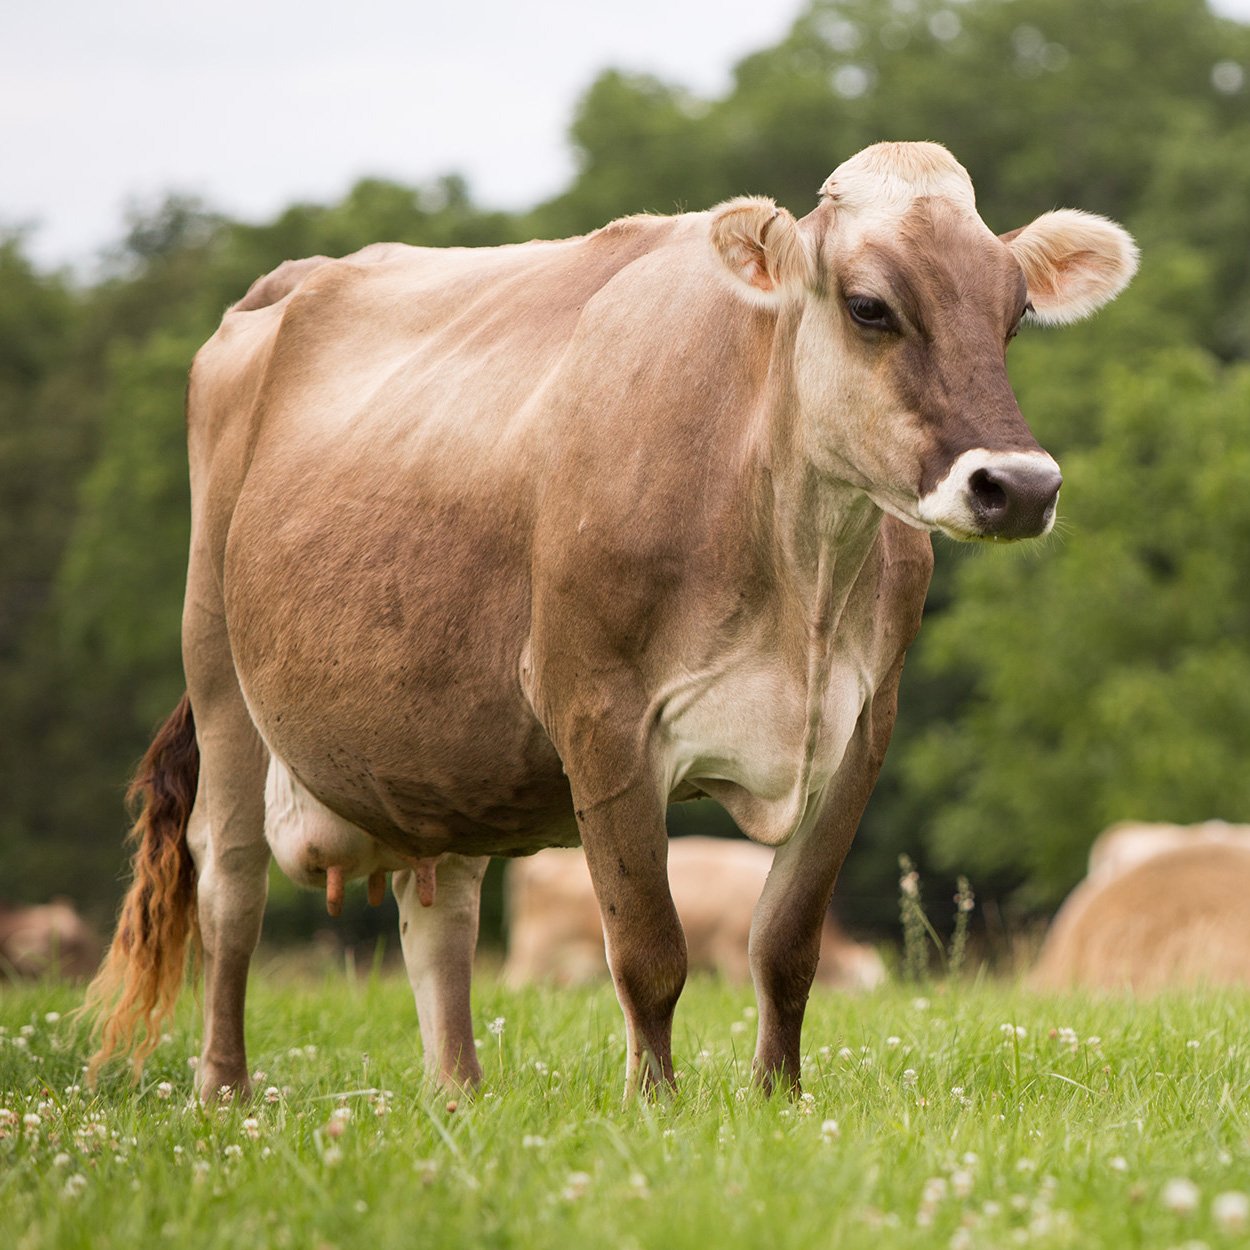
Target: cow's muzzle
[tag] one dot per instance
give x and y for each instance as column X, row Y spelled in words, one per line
column 998, row 495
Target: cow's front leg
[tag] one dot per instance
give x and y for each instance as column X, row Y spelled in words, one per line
column 438, row 922
column 626, row 846
column 787, row 923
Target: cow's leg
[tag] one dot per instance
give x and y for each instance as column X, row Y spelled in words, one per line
column 790, row 915
column 626, row 846
column 438, row 943
column 226, row 835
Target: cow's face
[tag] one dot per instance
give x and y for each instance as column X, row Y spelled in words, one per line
column 908, row 304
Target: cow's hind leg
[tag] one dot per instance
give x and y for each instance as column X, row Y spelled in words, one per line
column 438, row 933
column 232, row 862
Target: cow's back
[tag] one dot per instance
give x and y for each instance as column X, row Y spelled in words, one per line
column 1176, row 918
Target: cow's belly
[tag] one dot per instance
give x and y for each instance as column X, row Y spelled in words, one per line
column 379, row 659
column 747, row 738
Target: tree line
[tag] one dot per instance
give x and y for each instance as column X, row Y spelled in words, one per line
column 1101, row 675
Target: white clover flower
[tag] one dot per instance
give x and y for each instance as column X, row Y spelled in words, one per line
column 251, row 1126
column 27, row 1030
column 909, row 1078
column 60, row 1160
column 1193, row 1043
column 52, row 1017
column 1180, row 1195
column 531, row 1141
column 829, row 1129
column 273, row 1094
column 846, row 1053
column 233, row 1151
column 341, row 1113
column 920, row 1004
column 738, row 1026
column 74, row 1185
column 164, row 1089
column 961, row 1183
column 495, row 1027
column 1231, row 1211
column 893, row 1041
column 31, row 1121
column 575, row 1186
column 1118, row 1163
column 961, row 1239
column 1093, row 1042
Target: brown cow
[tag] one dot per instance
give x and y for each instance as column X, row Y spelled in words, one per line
column 1133, row 842
column 50, row 939
column 503, row 548
column 1177, row 917
column 555, row 934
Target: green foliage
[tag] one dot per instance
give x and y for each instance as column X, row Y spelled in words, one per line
column 1109, row 675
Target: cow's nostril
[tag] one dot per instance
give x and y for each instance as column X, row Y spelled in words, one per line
column 989, row 497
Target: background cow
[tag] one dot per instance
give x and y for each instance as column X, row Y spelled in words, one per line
column 555, row 934
column 1158, row 907
column 503, row 548
column 50, row 939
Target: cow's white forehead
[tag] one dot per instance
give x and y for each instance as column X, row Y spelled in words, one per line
column 885, row 179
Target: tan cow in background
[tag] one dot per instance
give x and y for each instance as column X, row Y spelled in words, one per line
column 1163, row 905
column 555, row 934
column 50, row 939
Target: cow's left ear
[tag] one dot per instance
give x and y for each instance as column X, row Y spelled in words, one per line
column 760, row 245
column 1073, row 262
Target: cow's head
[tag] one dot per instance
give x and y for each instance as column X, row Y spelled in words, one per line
column 908, row 304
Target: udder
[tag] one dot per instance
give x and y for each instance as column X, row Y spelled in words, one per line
column 316, row 848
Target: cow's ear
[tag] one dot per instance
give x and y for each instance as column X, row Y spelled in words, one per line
column 1073, row 262
column 761, row 246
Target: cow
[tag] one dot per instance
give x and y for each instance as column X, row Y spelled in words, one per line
column 1177, row 917
column 1131, row 842
column 555, row 934
column 504, row 548
column 47, row 939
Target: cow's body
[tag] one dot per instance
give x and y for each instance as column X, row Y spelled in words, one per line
column 555, row 933
column 505, row 548
column 1131, row 842
column 1174, row 917
column 47, row 939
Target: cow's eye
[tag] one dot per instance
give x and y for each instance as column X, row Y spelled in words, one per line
column 870, row 313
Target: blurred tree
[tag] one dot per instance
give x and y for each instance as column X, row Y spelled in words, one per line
column 1109, row 676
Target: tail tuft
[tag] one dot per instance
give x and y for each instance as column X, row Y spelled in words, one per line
column 135, row 991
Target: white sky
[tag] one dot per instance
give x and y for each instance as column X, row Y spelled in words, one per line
column 255, row 103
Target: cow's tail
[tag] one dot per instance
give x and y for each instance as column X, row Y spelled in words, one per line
column 137, row 986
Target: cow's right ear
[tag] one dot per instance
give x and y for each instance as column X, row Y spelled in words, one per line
column 762, row 248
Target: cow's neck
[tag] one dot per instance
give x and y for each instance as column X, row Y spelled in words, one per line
column 818, row 530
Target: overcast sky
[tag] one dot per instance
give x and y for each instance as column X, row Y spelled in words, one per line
column 255, row 103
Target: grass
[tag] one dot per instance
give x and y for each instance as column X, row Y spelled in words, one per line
column 976, row 1116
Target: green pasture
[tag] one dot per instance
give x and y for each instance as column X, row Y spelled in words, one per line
column 962, row 1116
